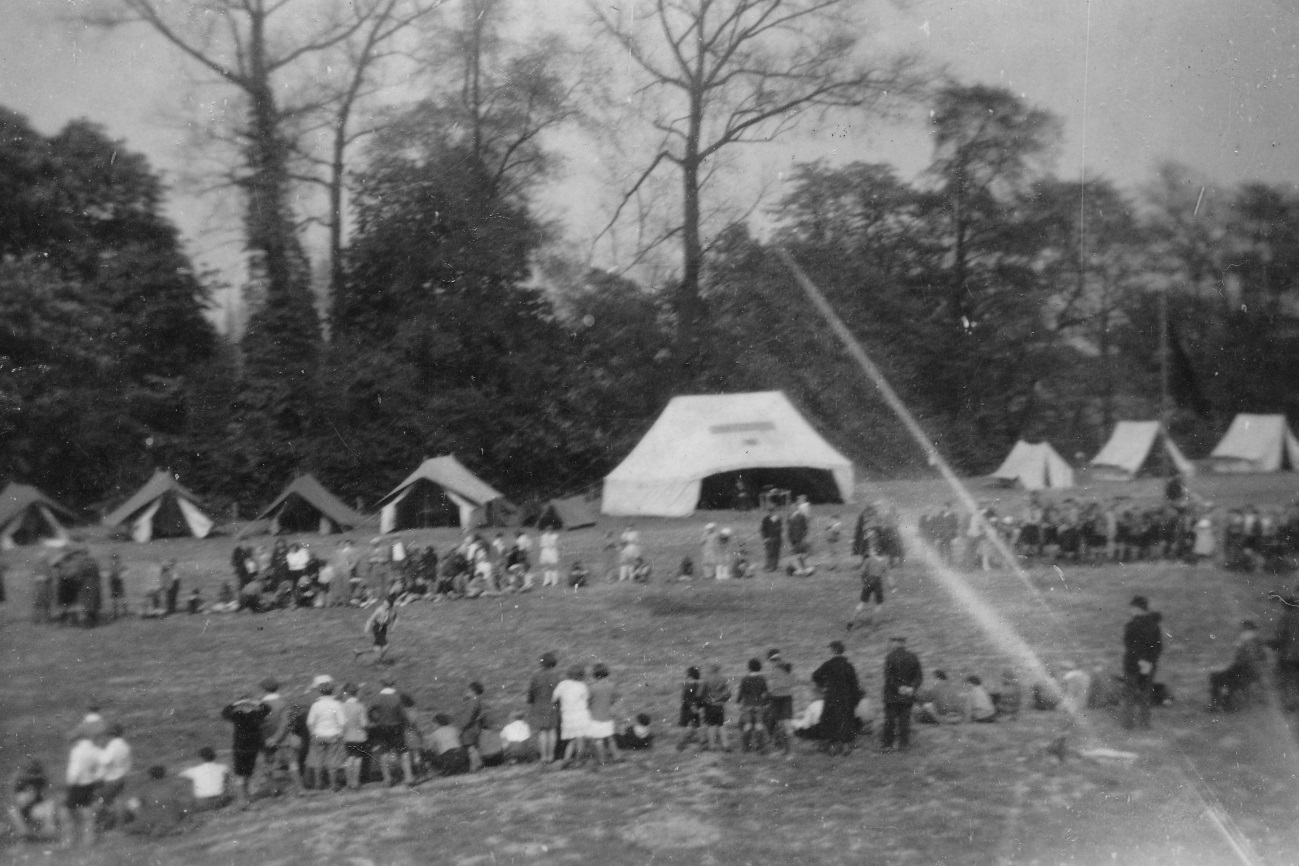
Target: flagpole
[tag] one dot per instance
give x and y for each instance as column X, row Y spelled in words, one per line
column 1163, row 368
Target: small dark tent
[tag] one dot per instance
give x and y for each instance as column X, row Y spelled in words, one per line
column 27, row 515
column 571, row 513
column 162, row 508
column 306, row 506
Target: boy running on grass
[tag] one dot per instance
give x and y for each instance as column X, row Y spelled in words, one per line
column 873, row 568
column 377, row 627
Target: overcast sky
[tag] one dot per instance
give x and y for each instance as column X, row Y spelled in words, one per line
column 1210, row 83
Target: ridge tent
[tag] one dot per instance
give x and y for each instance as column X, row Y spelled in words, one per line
column 27, row 515
column 162, row 508
column 703, row 446
column 1256, row 443
column 571, row 513
column 1034, row 466
column 442, row 492
column 1130, row 450
column 306, row 506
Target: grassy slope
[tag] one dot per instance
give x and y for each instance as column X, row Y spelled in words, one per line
column 965, row 795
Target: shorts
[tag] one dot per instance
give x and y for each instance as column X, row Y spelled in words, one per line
column 243, row 762
column 357, row 750
column 110, row 791
column 575, row 726
column 752, row 716
column 872, row 590
column 600, row 730
column 781, row 708
column 286, row 754
column 549, row 557
column 380, row 634
column 714, row 715
column 802, row 548
column 81, row 796
column 389, row 738
column 325, row 755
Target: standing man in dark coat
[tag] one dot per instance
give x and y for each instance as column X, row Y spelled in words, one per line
column 1143, row 641
column 771, row 529
column 1286, row 645
column 902, row 678
column 837, row 679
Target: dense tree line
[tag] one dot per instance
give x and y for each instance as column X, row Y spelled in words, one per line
column 1001, row 300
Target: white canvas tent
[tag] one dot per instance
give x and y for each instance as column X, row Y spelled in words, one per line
column 442, row 492
column 162, row 508
column 1035, row 467
column 756, row 436
column 1256, row 443
column 1130, row 450
column 27, row 515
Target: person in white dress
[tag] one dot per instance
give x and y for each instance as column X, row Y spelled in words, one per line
column 574, row 700
column 550, row 558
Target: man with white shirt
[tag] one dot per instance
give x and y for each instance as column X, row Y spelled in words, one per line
column 211, row 781
column 83, row 777
column 114, row 764
column 325, row 722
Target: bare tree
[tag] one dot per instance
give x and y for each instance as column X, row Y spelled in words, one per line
column 270, row 52
column 719, row 73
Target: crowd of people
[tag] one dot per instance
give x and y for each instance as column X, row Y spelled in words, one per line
column 346, row 736
column 1118, row 530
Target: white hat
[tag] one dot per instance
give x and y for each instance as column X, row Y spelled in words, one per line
column 710, row 526
column 322, row 679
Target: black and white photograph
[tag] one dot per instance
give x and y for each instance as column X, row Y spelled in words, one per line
column 649, row 432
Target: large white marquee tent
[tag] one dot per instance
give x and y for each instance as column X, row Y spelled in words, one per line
column 701, row 436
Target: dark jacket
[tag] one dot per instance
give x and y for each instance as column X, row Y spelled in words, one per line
column 1143, row 640
column 901, row 668
column 838, row 679
column 1286, row 642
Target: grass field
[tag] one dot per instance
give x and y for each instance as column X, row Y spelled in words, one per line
column 964, row 794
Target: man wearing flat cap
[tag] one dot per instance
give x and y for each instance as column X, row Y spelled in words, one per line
column 837, row 679
column 1143, row 641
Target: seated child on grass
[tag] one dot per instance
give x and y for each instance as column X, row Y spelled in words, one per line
column 636, row 736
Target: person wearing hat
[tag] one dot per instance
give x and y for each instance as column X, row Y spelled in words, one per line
column 1246, row 668
column 1142, row 644
column 325, row 722
column 902, row 679
column 837, row 679
column 543, row 715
